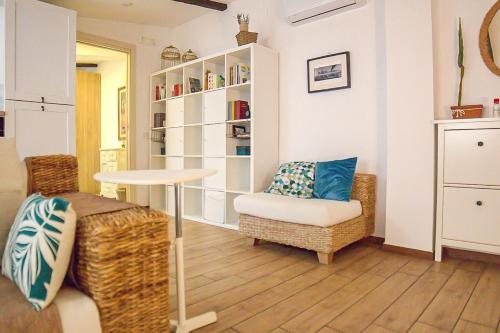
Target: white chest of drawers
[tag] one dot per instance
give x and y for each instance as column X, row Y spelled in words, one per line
column 468, row 185
column 112, row 160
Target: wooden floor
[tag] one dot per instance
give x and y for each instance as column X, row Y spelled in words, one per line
column 279, row 289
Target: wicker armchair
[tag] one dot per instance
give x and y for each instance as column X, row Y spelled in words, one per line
column 324, row 240
column 120, row 258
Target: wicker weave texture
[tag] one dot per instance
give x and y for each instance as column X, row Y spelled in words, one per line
column 321, row 239
column 122, row 263
column 121, row 258
column 52, row 174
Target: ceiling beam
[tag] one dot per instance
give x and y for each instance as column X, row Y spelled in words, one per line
column 206, row 4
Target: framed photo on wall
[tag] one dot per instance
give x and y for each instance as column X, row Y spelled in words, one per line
column 122, row 113
column 330, row 72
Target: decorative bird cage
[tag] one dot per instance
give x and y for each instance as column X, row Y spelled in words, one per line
column 171, row 56
column 188, row 56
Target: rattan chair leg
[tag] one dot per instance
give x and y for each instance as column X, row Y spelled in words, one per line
column 254, row 241
column 325, row 258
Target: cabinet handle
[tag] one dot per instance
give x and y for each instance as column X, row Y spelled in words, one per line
column 479, row 203
column 480, row 143
column 43, row 99
column 43, row 108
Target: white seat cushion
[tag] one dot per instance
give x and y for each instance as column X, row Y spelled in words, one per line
column 318, row 212
column 77, row 311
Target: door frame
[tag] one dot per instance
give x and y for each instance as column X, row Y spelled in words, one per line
column 130, row 50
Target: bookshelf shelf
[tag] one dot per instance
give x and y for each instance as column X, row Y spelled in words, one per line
column 159, row 100
column 239, row 121
column 198, row 134
column 174, row 97
column 240, row 85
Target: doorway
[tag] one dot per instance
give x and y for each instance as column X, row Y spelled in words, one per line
column 102, row 117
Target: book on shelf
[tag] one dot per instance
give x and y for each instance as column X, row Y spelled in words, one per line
column 158, row 136
column 177, row 89
column 214, row 81
column 239, row 73
column 159, row 120
column 237, row 110
column 194, row 84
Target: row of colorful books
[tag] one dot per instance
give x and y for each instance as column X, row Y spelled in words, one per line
column 239, row 73
column 237, row 110
column 214, row 81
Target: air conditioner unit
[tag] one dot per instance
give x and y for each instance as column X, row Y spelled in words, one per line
column 303, row 11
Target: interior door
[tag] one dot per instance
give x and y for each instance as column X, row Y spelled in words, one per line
column 88, row 129
column 43, row 129
column 40, row 52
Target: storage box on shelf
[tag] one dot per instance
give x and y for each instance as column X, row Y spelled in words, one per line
column 230, row 126
column 468, row 185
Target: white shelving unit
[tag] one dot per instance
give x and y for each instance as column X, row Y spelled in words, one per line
column 198, row 134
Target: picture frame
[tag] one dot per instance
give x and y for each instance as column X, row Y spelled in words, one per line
column 329, row 72
column 122, row 113
column 238, row 130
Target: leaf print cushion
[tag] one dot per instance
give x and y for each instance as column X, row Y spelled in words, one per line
column 294, row 179
column 39, row 246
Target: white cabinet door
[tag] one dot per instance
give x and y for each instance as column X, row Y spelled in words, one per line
column 471, row 215
column 213, row 210
column 472, row 157
column 217, row 181
column 43, row 129
column 175, row 112
column 175, row 141
column 214, row 140
column 214, row 106
column 40, row 52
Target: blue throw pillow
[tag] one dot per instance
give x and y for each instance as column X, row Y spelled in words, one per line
column 333, row 179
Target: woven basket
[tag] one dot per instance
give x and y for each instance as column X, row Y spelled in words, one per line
column 246, row 37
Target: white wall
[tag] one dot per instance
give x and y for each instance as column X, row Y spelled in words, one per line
column 147, row 61
column 113, row 76
column 321, row 126
column 480, row 85
column 410, row 131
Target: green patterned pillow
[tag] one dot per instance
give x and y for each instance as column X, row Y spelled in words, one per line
column 295, row 179
column 39, row 247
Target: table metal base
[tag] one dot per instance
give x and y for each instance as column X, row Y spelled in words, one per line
column 183, row 325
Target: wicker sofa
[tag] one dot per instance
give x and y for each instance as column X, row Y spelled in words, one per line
column 324, row 240
column 120, row 257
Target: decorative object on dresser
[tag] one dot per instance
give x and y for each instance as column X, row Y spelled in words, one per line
column 170, row 57
column 463, row 111
column 330, row 72
column 468, row 186
column 489, row 39
column 244, row 36
column 203, row 130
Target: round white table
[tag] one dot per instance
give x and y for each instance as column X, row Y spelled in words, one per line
column 176, row 178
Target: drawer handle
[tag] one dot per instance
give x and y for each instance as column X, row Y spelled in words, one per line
column 480, row 143
column 479, row 203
